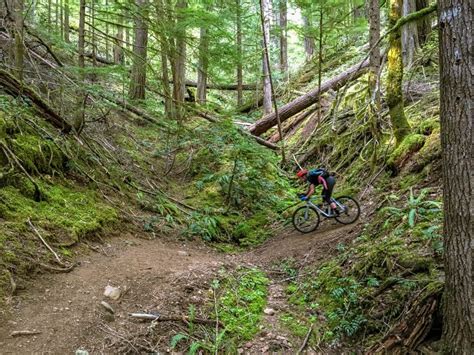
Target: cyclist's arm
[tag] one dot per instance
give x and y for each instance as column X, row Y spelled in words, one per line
column 310, row 191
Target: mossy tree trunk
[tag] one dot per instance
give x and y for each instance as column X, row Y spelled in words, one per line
column 456, row 112
column 394, row 94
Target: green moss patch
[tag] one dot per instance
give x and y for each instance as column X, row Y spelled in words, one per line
column 405, row 149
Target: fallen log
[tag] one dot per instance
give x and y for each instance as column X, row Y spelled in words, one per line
column 310, row 98
column 13, row 87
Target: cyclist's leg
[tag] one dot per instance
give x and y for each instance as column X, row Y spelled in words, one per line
column 331, row 181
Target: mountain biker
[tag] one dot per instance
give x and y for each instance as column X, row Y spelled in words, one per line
column 315, row 177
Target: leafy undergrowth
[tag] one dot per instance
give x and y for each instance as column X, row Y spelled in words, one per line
column 357, row 296
column 239, row 298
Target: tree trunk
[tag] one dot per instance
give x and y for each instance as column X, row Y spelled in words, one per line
column 267, row 91
column 309, row 99
column 239, row 52
column 138, row 74
column 49, row 15
column 81, row 37
column 394, row 94
column 202, row 66
column 424, row 25
column 374, row 36
column 19, row 47
column 283, row 40
column 107, row 54
column 66, row 21
column 409, row 34
column 456, row 113
column 308, row 38
column 118, row 43
column 179, row 65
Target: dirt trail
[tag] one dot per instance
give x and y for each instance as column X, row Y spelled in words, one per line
column 155, row 275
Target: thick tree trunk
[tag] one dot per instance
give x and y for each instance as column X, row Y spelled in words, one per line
column 283, row 40
column 309, row 99
column 138, row 75
column 202, row 66
column 267, row 90
column 410, row 41
column 394, row 94
column 457, row 112
column 239, row 52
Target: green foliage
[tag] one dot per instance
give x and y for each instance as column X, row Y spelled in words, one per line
column 241, row 301
column 238, row 186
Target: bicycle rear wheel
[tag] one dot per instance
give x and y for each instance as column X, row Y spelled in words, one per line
column 306, row 219
column 349, row 210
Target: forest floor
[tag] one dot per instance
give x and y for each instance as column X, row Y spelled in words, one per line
column 160, row 275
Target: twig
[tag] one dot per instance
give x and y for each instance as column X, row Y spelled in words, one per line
column 44, row 242
column 159, row 318
column 18, row 333
column 305, row 342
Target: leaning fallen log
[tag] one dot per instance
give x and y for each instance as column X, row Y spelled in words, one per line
column 309, row 99
column 13, row 87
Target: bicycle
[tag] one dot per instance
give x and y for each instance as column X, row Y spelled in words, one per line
column 307, row 218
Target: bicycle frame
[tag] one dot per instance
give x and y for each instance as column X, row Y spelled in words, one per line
column 320, row 211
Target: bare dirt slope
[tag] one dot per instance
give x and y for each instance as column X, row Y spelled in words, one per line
column 154, row 276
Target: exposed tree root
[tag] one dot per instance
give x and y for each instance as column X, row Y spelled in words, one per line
column 416, row 322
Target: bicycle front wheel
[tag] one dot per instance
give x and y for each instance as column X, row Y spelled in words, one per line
column 306, row 219
column 348, row 208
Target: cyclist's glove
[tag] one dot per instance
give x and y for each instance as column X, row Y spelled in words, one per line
column 303, row 198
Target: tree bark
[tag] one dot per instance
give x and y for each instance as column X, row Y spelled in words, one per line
column 456, row 113
column 309, row 99
column 267, row 90
column 283, row 40
column 138, row 74
column 394, row 94
column 202, row 66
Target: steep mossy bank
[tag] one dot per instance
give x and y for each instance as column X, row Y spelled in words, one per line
column 36, row 190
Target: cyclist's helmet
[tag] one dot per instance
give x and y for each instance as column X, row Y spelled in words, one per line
column 302, row 173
